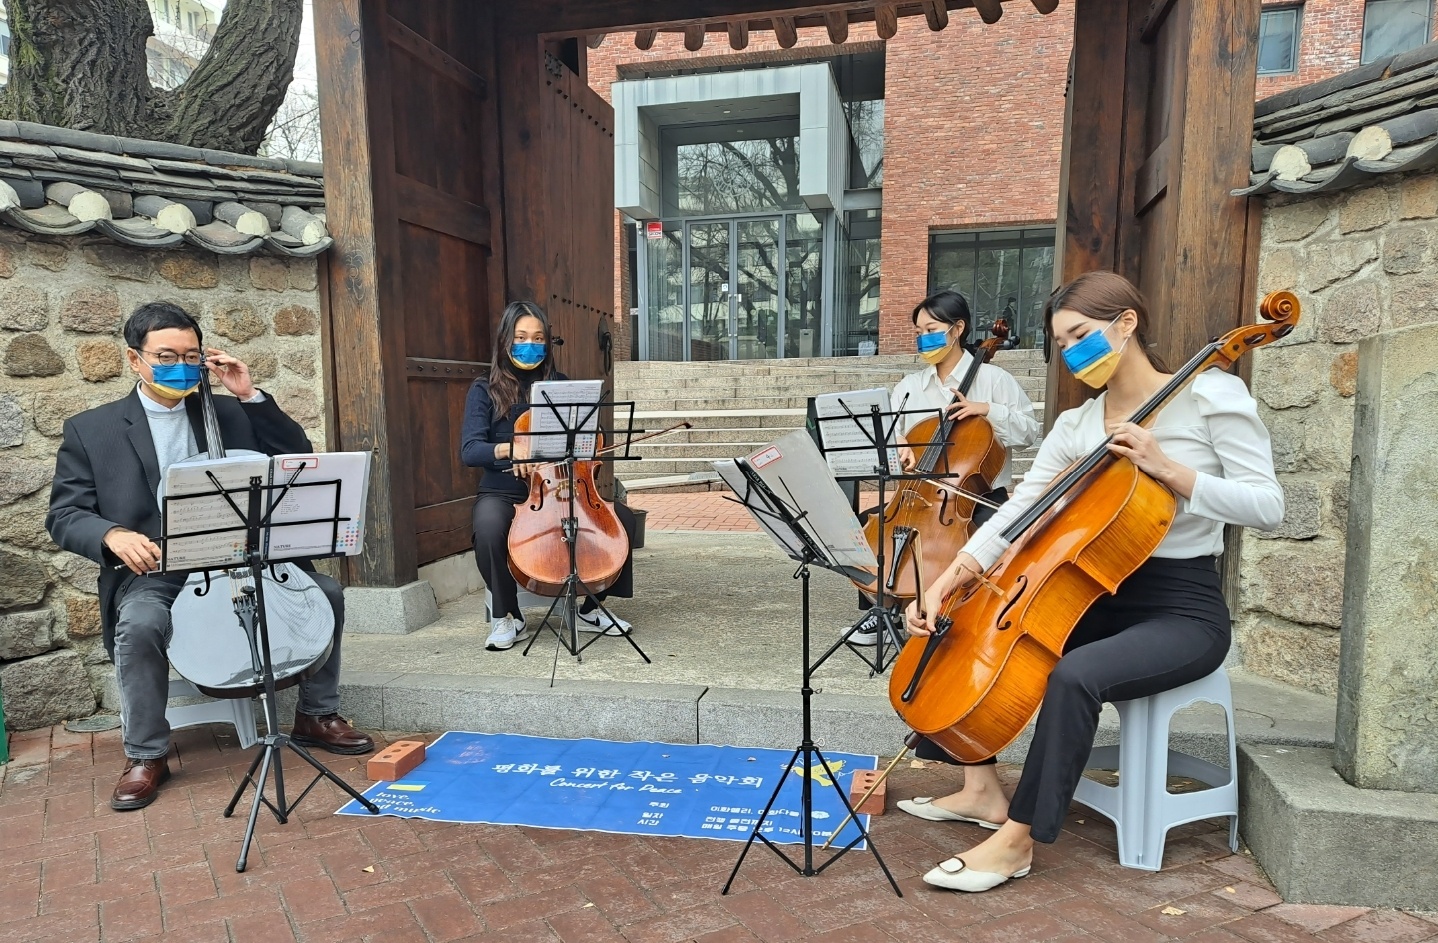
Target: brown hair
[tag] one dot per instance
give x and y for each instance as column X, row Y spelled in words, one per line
column 1104, row 296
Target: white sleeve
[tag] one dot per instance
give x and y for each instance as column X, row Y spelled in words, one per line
column 1248, row 492
column 1058, row 451
column 1011, row 413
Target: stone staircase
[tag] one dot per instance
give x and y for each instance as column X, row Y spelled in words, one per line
column 737, row 406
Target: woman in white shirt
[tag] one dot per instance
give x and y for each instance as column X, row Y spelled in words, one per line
column 1167, row 624
column 941, row 335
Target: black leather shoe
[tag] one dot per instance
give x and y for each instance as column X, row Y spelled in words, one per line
column 139, row 784
column 330, row 732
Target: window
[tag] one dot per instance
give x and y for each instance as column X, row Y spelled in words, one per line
column 1278, row 41
column 1394, row 26
column 4, row 37
column 1002, row 273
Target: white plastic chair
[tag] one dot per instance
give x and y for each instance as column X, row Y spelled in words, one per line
column 238, row 712
column 1141, row 807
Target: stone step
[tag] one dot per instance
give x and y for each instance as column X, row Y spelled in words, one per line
column 744, row 389
column 1015, row 361
column 668, row 465
column 772, row 419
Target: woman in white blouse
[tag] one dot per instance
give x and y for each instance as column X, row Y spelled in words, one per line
column 1167, row 624
column 941, row 335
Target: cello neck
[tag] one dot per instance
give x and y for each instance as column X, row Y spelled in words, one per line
column 1283, row 310
column 214, row 444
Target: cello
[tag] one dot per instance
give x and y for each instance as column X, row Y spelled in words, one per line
column 966, row 452
column 537, row 534
column 973, row 684
column 298, row 618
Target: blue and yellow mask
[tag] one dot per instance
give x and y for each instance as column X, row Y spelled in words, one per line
column 1093, row 359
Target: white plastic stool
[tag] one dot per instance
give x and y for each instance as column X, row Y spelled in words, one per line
column 527, row 600
column 239, row 712
column 1141, row 807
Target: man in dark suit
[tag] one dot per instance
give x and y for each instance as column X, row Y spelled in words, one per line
column 104, row 506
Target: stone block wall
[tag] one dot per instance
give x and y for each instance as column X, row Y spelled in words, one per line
column 1361, row 261
column 62, row 303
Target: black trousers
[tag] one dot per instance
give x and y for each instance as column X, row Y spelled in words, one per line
column 1166, row 626
column 493, row 514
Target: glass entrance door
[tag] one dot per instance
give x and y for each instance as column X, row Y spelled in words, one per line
column 745, row 288
column 710, row 308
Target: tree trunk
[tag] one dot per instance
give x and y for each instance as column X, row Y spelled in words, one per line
column 80, row 64
column 230, row 100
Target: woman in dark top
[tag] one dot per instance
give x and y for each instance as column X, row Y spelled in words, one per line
column 523, row 353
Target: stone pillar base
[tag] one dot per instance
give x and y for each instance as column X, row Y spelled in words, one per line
column 389, row 610
column 1324, row 841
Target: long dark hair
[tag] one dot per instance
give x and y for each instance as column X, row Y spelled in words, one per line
column 506, row 381
column 950, row 308
column 1104, row 296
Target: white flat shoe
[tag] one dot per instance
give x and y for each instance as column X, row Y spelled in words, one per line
column 955, row 876
column 923, row 807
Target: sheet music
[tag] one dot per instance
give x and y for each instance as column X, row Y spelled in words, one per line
column 351, row 470
column 847, row 423
column 770, row 523
column 207, row 510
column 794, row 470
column 575, row 399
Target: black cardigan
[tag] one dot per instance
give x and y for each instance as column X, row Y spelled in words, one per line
column 482, row 432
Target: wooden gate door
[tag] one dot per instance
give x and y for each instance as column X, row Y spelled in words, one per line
column 410, row 111
column 1149, row 162
column 559, row 194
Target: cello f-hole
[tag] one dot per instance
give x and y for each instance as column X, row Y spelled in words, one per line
column 943, row 508
column 1020, row 586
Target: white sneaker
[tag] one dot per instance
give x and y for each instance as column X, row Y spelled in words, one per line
column 601, row 621
column 503, row 633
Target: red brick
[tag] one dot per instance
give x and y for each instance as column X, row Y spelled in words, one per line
column 272, row 927
column 396, row 760
column 130, row 918
column 766, row 917
column 865, row 779
column 311, row 899
column 515, row 910
column 1315, row 917
column 446, row 916
column 584, row 926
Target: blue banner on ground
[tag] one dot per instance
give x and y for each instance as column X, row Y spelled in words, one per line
column 668, row 789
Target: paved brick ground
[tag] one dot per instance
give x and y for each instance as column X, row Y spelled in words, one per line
column 708, row 510
column 71, row 870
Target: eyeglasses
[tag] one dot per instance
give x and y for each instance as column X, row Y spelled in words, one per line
column 168, row 358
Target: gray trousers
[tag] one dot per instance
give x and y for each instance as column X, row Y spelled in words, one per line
column 142, row 633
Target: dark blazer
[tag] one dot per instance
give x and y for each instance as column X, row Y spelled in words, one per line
column 107, row 474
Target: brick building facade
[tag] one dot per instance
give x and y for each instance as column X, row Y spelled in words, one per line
column 973, row 132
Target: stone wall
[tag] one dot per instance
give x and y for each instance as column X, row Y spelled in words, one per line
column 62, row 303
column 1361, row 261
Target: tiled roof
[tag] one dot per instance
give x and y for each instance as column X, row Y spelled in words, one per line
column 154, row 195
column 1340, row 132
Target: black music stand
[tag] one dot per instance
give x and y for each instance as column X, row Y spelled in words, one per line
column 877, row 428
column 783, row 515
column 572, row 418
column 254, row 521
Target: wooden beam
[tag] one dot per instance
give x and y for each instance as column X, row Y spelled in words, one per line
column 366, row 328
column 886, row 20
column 837, row 22
column 738, row 34
column 434, row 57
column 423, row 205
column 594, row 40
column 644, row 39
column 784, row 31
column 1090, row 178
column 1152, row 181
column 936, row 12
column 694, row 37
column 1157, row 13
